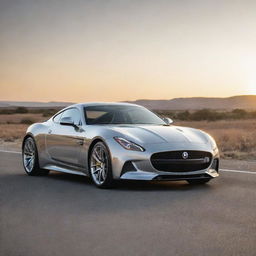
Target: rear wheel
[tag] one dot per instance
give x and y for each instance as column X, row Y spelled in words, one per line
column 30, row 158
column 100, row 166
column 198, row 181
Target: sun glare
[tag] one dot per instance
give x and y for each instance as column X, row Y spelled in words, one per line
column 249, row 67
column 251, row 89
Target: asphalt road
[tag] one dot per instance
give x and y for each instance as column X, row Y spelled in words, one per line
column 63, row 214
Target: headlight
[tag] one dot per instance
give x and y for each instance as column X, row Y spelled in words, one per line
column 129, row 145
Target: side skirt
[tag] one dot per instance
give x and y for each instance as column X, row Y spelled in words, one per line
column 61, row 169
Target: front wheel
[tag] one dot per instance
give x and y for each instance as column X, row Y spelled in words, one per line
column 100, row 166
column 198, row 181
column 30, row 158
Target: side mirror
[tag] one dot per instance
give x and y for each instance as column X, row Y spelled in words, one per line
column 67, row 121
column 168, row 120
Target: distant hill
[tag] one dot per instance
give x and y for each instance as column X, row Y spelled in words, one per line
column 244, row 102
column 31, row 104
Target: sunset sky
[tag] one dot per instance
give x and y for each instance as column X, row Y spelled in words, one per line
column 110, row 50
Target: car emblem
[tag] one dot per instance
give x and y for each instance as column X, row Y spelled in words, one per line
column 185, row 155
column 206, row 159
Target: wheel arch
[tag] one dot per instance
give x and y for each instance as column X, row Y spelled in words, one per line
column 29, row 134
column 94, row 141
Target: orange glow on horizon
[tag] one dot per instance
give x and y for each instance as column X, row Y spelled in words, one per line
column 90, row 51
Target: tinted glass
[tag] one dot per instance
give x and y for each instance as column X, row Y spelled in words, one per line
column 56, row 119
column 120, row 114
column 74, row 114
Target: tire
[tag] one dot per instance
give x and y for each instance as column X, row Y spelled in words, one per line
column 100, row 167
column 30, row 158
column 198, row 181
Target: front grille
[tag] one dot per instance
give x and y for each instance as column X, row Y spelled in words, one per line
column 173, row 161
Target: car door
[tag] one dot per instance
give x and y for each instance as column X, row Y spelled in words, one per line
column 64, row 140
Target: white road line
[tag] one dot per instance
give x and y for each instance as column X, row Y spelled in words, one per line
column 222, row 170
column 7, row 151
column 226, row 170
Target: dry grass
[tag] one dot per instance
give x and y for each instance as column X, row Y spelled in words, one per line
column 236, row 139
column 12, row 132
column 12, row 128
column 17, row 118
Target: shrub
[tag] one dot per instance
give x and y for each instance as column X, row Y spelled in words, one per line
column 27, row 121
column 21, row 110
column 239, row 113
column 6, row 111
column 204, row 114
column 49, row 112
column 185, row 115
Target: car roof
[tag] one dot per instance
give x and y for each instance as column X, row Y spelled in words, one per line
column 87, row 104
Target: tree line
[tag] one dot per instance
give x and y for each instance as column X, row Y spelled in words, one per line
column 208, row 115
column 198, row 115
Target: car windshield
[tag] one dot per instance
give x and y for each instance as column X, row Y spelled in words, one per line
column 120, row 114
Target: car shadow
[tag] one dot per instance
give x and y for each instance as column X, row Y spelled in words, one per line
column 158, row 185
column 130, row 185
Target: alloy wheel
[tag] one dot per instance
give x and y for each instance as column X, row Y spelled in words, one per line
column 29, row 155
column 99, row 164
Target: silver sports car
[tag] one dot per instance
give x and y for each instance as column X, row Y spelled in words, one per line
column 111, row 141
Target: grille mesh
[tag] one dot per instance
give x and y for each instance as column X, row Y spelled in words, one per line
column 172, row 161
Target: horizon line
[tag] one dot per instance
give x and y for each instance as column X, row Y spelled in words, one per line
column 241, row 95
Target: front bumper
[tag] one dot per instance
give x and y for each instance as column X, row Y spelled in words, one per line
column 133, row 165
column 138, row 174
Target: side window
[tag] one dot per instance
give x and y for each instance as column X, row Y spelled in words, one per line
column 74, row 114
column 56, row 119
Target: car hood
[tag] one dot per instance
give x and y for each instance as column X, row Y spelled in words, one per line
column 145, row 134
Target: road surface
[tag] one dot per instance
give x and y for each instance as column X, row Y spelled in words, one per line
column 64, row 214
